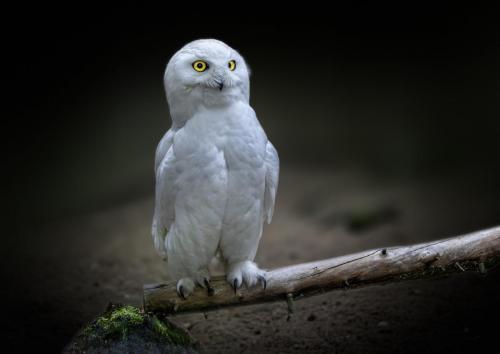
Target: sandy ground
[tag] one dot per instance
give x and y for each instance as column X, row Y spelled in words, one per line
column 63, row 275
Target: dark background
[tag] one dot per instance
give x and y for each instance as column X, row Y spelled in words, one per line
column 401, row 92
column 396, row 90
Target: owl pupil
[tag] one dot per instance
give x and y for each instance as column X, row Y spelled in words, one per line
column 199, row 65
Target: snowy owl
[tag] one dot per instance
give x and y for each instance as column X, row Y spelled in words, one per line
column 216, row 171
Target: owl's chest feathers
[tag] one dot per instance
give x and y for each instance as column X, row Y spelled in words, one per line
column 232, row 131
column 219, row 159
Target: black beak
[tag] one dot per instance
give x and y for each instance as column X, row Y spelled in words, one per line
column 221, row 85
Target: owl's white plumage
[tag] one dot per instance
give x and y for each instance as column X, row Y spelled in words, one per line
column 216, row 171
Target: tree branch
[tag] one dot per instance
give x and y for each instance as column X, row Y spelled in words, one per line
column 477, row 251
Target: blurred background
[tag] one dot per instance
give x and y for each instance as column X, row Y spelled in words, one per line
column 367, row 106
column 397, row 91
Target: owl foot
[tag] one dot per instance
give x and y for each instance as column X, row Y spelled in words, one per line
column 185, row 287
column 210, row 289
column 202, row 278
column 246, row 272
column 263, row 281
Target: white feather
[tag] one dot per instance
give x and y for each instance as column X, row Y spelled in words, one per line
column 272, row 176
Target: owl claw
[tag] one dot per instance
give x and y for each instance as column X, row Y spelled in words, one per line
column 209, row 287
column 246, row 272
column 181, row 292
column 185, row 287
column 263, row 281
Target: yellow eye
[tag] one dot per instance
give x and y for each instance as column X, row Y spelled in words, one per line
column 200, row 66
column 231, row 65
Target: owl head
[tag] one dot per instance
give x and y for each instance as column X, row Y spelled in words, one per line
column 204, row 72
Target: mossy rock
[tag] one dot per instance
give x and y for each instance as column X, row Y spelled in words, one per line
column 127, row 329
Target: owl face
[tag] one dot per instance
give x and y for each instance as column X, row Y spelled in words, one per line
column 207, row 72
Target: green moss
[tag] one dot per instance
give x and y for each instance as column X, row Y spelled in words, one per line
column 159, row 328
column 127, row 323
column 169, row 333
column 117, row 323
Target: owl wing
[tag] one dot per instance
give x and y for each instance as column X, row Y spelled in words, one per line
column 163, row 146
column 272, row 164
column 165, row 192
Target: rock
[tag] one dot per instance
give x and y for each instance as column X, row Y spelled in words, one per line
column 126, row 329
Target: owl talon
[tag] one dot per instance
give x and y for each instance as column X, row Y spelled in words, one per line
column 263, row 281
column 247, row 273
column 210, row 289
column 185, row 287
column 181, row 292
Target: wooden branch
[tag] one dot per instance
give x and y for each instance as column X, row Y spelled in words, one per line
column 476, row 251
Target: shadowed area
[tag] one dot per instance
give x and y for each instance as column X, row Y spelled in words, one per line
column 75, row 267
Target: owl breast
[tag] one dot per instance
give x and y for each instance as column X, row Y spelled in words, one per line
column 220, row 157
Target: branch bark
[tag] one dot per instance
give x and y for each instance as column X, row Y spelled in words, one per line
column 477, row 251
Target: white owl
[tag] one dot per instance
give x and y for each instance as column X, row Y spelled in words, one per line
column 216, row 171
